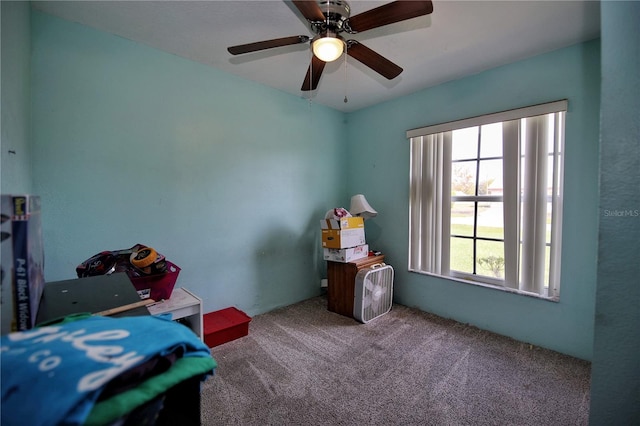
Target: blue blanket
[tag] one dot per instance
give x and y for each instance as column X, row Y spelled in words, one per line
column 54, row 375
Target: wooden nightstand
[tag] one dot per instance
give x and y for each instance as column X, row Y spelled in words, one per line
column 341, row 283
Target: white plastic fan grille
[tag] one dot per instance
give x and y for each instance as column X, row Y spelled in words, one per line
column 373, row 293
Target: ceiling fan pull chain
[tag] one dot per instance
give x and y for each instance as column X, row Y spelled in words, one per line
column 345, row 79
column 310, row 77
column 309, row 96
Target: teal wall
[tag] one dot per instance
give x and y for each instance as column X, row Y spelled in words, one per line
column 228, row 178
column 15, row 86
column 15, row 148
column 182, row 147
column 615, row 380
column 380, row 169
column 225, row 177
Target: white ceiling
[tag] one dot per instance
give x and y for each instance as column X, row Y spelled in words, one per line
column 459, row 38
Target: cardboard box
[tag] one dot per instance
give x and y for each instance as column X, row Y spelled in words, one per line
column 344, row 223
column 22, row 261
column 224, row 326
column 346, row 255
column 343, row 233
column 347, row 238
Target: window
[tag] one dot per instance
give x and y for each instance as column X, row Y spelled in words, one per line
column 486, row 199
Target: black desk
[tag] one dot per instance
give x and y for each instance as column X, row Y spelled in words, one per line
column 103, row 292
column 91, row 294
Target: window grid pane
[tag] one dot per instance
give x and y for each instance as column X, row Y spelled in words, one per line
column 463, row 179
column 462, row 255
column 490, row 258
column 462, row 213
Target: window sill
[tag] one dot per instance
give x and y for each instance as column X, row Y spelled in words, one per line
column 488, row 286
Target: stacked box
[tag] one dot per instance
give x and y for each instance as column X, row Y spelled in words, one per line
column 343, row 240
column 346, row 255
column 22, row 261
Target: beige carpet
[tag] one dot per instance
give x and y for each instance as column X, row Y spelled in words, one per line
column 304, row 365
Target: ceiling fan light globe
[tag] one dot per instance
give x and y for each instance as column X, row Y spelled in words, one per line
column 328, row 49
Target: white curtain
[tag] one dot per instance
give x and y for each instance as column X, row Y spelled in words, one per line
column 527, row 143
column 430, row 196
column 511, row 201
column 534, row 204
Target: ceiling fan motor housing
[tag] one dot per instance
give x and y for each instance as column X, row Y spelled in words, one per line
column 336, row 13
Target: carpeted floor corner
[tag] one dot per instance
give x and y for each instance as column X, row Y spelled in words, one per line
column 304, row 365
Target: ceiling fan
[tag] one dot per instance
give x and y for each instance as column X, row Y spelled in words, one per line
column 328, row 19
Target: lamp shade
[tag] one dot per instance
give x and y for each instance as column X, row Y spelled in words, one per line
column 360, row 207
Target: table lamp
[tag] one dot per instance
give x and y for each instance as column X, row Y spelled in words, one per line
column 360, row 207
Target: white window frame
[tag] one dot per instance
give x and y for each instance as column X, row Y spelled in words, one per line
column 524, row 212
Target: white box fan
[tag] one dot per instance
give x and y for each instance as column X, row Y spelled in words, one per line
column 373, row 294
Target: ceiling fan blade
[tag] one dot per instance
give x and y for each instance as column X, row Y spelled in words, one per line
column 373, row 60
column 309, row 10
column 267, row 44
column 313, row 74
column 388, row 14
